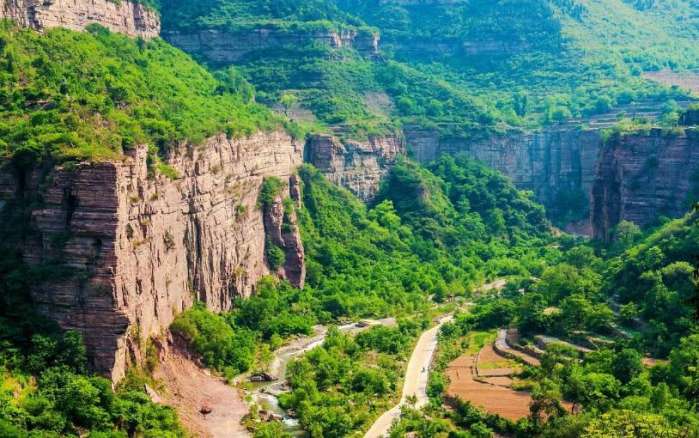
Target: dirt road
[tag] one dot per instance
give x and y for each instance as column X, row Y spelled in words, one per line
column 415, row 383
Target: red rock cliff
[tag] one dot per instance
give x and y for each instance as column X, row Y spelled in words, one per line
column 357, row 166
column 118, row 16
column 643, row 176
column 142, row 248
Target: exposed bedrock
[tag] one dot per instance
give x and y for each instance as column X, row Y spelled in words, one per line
column 140, row 248
column 221, row 46
column 357, row 166
column 281, row 229
column 124, row 16
column 555, row 163
column 644, row 176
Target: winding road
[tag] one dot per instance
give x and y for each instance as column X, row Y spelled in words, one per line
column 415, row 383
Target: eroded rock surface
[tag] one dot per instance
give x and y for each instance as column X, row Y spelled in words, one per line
column 358, row 166
column 124, row 16
column 221, row 46
column 555, row 163
column 644, row 176
column 281, row 229
column 141, row 249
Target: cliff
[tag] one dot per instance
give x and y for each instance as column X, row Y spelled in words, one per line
column 118, row 16
column 357, row 166
column 281, row 229
column 222, row 47
column 141, row 249
column 643, row 176
column 558, row 164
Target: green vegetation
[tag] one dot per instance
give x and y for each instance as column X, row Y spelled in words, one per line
column 342, row 386
column 70, row 96
column 456, row 67
column 634, row 301
column 45, row 389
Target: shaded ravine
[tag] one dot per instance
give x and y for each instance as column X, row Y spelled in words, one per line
column 415, row 383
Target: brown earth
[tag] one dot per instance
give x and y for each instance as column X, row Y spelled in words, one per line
column 191, row 390
column 505, row 402
column 490, row 364
column 686, row 80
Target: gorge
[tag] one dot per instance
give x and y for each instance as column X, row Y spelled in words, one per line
column 210, row 183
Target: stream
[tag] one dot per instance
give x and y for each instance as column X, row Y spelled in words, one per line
column 265, row 394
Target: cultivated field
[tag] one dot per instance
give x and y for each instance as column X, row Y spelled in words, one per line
column 490, row 397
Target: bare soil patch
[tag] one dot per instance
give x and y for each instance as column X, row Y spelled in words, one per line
column 206, row 405
column 491, row 364
column 686, row 80
column 499, row 400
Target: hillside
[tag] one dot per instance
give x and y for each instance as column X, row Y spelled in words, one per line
column 285, row 195
column 74, row 96
column 520, row 63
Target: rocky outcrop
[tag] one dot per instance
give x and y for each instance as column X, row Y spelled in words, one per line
column 221, row 46
column 281, row 229
column 126, row 251
column 357, row 166
column 556, row 163
column 643, row 176
column 123, row 16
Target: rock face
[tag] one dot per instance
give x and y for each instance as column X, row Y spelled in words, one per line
column 355, row 165
column 281, row 229
column 140, row 248
column 118, row 16
column 220, row 46
column 555, row 163
column 643, row 176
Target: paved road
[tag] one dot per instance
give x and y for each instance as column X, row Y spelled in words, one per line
column 415, row 380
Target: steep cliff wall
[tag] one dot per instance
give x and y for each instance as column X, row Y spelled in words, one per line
column 119, row 16
column 557, row 164
column 220, row 46
column 281, row 229
column 358, row 166
column 643, row 176
column 142, row 248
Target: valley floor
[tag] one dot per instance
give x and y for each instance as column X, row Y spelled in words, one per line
column 415, row 383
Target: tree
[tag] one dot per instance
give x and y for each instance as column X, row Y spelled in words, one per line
column 627, row 365
column 627, row 423
column 288, row 100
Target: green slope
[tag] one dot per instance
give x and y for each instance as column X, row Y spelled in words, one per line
column 476, row 63
column 76, row 96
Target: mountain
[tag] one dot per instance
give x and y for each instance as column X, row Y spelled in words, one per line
column 266, row 170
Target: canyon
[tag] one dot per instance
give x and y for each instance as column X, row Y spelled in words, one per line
column 130, row 18
column 572, row 169
column 126, row 250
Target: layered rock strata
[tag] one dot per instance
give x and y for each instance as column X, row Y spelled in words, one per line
column 554, row 163
column 221, row 46
column 357, row 166
column 124, row 16
column 644, row 176
column 281, row 229
column 138, row 249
